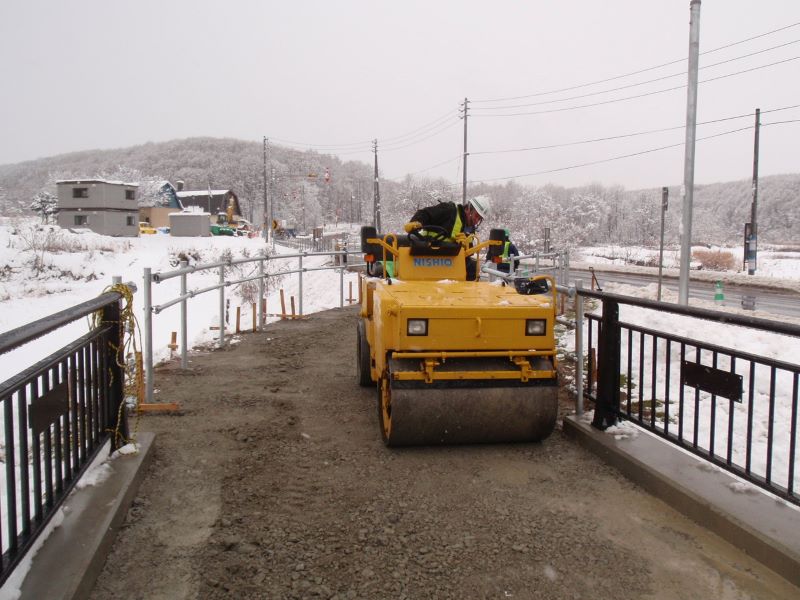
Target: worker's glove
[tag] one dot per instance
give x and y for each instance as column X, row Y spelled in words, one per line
column 413, row 226
column 461, row 238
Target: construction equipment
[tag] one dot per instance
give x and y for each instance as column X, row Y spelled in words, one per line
column 454, row 361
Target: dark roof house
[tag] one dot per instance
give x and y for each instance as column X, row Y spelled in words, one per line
column 211, row 201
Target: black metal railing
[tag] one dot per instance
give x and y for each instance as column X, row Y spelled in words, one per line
column 718, row 399
column 56, row 416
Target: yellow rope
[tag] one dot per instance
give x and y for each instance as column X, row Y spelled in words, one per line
column 129, row 364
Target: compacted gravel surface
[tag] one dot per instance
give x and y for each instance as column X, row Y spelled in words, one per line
column 273, row 482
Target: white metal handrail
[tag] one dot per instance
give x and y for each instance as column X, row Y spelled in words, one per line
column 185, row 270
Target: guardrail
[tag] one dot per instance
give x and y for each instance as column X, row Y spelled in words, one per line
column 736, row 409
column 341, row 256
column 56, row 416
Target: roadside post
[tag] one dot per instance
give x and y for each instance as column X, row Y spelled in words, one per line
column 664, row 207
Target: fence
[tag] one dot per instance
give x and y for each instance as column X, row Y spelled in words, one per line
column 56, row 417
column 342, row 263
column 734, row 408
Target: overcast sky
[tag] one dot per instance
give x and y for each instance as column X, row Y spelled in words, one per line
column 90, row 74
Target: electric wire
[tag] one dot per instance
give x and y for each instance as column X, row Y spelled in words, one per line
column 653, row 68
column 349, row 146
column 613, row 158
column 633, row 85
column 439, row 164
column 628, row 135
column 636, row 96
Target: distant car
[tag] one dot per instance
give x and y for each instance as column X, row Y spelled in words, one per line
column 146, row 229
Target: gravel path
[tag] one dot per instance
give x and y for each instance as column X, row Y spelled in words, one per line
column 273, row 483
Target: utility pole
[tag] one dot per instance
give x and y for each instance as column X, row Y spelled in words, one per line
column 688, row 166
column 752, row 243
column 664, row 207
column 266, row 210
column 377, row 192
column 464, row 174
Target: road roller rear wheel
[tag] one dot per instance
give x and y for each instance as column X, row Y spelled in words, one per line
column 363, row 359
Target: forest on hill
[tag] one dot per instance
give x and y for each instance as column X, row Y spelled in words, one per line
column 311, row 189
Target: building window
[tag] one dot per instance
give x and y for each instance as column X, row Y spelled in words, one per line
column 131, row 221
column 130, row 195
column 81, row 219
column 80, row 192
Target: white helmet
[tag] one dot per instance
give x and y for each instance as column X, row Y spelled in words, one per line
column 482, row 205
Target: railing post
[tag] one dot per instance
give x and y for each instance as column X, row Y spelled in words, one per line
column 221, row 306
column 300, row 286
column 184, row 336
column 261, row 294
column 608, row 346
column 148, row 334
column 341, row 288
column 578, row 347
column 117, row 419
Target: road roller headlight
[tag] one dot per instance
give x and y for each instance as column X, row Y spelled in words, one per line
column 417, row 327
column 535, row 326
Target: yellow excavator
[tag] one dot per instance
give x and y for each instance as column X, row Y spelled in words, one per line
column 454, row 361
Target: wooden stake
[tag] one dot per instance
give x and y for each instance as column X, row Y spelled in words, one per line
column 253, row 308
column 173, row 345
column 292, row 299
column 238, row 319
column 283, row 305
column 350, row 293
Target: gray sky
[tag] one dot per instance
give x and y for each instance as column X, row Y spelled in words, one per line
column 105, row 74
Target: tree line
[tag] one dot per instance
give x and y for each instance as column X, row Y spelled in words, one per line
column 304, row 196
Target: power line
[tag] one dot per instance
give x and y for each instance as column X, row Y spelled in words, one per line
column 613, row 158
column 614, row 78
column 633, row 85
column 391, row 148
column 780, row 122
column 439, row 164
column 627, row 135
column 636, row 96
column 331, row 147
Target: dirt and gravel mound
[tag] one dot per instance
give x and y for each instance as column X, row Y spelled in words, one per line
column 273, row 483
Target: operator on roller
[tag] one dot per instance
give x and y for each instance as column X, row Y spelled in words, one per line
column 458, row 220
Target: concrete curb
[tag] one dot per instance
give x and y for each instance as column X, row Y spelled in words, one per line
column 761, row 525
column 69, row 562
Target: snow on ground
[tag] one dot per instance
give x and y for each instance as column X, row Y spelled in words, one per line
column 665, row 386
column 777, row 268
column 83, row 269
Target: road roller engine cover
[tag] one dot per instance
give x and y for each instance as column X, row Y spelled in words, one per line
column 454, row 361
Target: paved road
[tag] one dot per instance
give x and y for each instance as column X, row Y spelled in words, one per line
column 774, row 301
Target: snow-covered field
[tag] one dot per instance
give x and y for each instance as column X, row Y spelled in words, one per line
column 36, row 283
column 777, row 268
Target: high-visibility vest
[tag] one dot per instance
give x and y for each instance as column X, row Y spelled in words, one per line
column 457, row 228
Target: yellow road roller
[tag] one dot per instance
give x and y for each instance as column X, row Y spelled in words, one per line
column 454, row 361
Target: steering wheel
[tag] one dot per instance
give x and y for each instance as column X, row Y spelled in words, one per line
column 435, row 233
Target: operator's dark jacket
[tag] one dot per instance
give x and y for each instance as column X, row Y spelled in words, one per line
column 443, row 215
